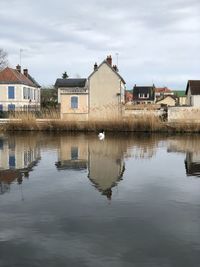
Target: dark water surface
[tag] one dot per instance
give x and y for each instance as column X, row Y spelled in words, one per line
column 72, row 200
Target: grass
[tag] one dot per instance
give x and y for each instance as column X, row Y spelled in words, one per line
column 50, row 121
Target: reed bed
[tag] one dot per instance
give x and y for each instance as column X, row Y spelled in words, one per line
column 50, row 121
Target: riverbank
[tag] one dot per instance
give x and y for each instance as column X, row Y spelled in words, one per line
column 131, row 124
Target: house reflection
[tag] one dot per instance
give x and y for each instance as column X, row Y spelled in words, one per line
column 191, row 147
column 192, row 164
column 103, row 160
column 73, row 152
column 18, row 155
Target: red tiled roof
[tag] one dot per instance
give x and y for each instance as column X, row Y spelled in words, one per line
column 13, row 76
column 162, row 90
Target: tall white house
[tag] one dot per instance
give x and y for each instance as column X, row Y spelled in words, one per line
column 18, row 91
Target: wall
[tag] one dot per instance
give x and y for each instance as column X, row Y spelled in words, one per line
column 183, row 114
column 68, row 112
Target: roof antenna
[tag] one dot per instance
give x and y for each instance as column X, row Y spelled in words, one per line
column 117, row 57
column 20, row 56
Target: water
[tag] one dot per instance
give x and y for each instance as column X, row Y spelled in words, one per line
column 72, row 200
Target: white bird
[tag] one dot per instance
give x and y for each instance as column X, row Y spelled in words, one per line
column 101, row 135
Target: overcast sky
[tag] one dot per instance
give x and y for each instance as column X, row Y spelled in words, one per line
column 157, row 41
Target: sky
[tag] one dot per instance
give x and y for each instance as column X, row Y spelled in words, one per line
column 152, row 41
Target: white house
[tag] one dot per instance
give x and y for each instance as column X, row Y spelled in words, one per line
column 18, row 91
column 193, row 93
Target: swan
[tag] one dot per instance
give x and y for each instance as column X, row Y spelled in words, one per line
column 101, row 135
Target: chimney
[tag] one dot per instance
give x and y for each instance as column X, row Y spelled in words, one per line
column 115, row 68
column 109, row 60
column 18, row 68
column 95, row 66
column 26, row 72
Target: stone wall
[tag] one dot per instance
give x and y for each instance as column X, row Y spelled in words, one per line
column 183, row 114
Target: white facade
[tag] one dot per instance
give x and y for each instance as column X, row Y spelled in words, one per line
column 24, row 97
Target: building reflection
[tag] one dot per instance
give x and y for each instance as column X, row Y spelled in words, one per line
column 103, row 160
column 18, row 155
column 190, row 146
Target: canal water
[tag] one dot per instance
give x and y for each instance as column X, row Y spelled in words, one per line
column 73, row 200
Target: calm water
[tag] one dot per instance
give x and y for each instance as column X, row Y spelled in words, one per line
column 72, row 200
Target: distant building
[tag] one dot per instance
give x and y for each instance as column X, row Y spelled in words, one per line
column 128, row 96
column 181, row 97
column 168, row 100
column 160, row 92
column 143, row 94
column 18, row 91
column 193, row 93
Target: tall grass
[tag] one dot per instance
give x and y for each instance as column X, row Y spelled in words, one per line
column 111, row 121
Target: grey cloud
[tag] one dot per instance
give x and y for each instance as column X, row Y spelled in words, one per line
column 154, row 39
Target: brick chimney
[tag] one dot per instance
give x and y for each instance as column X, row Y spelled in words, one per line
column 26, row 72
column 95, row 66
column 18, row 68
column 109, row 60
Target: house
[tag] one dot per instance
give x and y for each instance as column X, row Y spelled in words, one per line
column 73, row 98
column 168, row 100
column 18, row 91
column 99, row 96
column 160, row 92
column 128, row 96
column 181, row 97
column 106, row 90
column 193, row 93
column 143, row 94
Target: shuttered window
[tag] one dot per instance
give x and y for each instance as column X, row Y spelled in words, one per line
column 74, row 102
column 11, row 92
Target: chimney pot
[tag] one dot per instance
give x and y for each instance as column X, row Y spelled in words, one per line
column 109, row 60
column 18, row 68
column 95, row 66
column 26, row 72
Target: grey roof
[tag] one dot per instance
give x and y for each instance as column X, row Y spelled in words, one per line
column 71, row 82
column 33, row 81
column 194, row 87
column 105, row 61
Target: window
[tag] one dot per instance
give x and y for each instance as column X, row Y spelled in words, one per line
column 74, row 152
column 1, row 107
column 74, row 102
column 25, row 93
column 11, row 92
column 1, row 144
column 11, row 161
column 11, row 107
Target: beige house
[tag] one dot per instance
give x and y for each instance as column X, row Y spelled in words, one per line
column 193, row 93
column 18, row 91
column 99, row 96
column 73, row 98
column 168, row 100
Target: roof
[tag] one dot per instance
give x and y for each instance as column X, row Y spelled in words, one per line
column 71, row 82
column 162, row 90
column 166, row 96
column 179, row 93
column 105, row 62
column 13, row 76
column 194, row 86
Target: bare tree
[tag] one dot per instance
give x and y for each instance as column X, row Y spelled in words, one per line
column 3, row 59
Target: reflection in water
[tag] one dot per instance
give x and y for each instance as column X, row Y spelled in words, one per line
column 190, row 147
column 104, row 161
column 152, row 221
column 18, row 155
